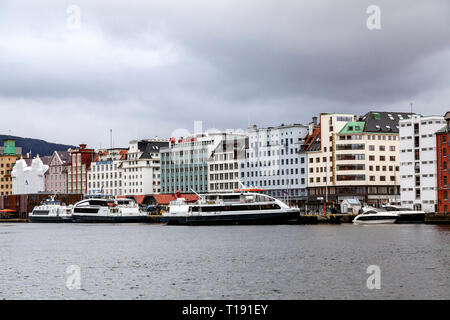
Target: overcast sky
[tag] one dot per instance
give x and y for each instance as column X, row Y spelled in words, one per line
column 145, row 68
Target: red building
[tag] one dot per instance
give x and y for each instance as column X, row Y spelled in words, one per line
column 443, row 166
column 77, row 169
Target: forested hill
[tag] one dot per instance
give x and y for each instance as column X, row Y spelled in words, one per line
column 36, row 146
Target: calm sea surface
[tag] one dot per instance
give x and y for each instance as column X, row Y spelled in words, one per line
column 144, row 261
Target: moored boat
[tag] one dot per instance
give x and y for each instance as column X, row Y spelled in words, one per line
column 370, row 215
column 51, row 210
column 104, row 208
column 238, row 207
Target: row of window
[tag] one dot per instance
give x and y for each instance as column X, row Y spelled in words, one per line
column 278, row 182
column 267, row 173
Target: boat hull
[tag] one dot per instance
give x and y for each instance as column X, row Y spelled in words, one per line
column 232, row 219
column 380, row 221
column 108, row 219
column 411, row 218
column 48, row 219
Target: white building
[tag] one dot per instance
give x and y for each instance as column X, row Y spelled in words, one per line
column 223, row 163
column 141, row 167
column 273, row 161
column 202, row 162
column 105, row 173
column 418, row 162
column 28, row 179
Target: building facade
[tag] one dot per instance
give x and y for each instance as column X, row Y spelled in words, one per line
column 443, row 169
column 358, row 158
column 185, row 163
column 8, row 157
column 141, row 168
column 274, row 163
column 223, row 164
column 105, row 173
column 319, row 147
column 418, row 162
column 56, row 176
column 77, row 169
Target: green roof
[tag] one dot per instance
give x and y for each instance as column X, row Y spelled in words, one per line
column 353, row 127
column 443, row 130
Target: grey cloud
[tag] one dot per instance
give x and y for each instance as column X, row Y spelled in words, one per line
column 163, row 64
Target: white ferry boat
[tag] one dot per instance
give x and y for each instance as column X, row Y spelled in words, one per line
column 244, row 206
column 104, row 208
column 372, row 215
column 51, row 210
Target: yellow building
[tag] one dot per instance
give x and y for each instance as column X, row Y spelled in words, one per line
column 8, row 157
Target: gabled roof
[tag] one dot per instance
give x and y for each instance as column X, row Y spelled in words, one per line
column 312, row 142
column 123, row 154
column 149, row 147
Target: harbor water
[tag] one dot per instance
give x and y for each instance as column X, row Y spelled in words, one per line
column 152, row 261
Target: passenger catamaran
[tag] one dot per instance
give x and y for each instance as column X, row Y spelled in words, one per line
column 51, row 210
column 242, row 206
column 104, row 208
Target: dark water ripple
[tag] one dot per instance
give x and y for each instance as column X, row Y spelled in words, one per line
column 139, row 261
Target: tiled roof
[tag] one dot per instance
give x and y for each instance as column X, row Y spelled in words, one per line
column 149, row 147
column 164, row 199
column 124, row 154
column 312, row 142
column 383, row 122
column 64, row 156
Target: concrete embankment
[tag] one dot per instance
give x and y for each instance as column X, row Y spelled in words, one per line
column 437, row 218
column 328, row 219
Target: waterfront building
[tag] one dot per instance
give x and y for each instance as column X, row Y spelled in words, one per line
column 443, row 165
column 274, row 163
column 105, row 172
column 319, row 146
column 9, row 154
column 223, row 163
column 29, row 178
column 141, row 168
column 77, row 169
column 56, row 176
column 418, row 170
column 187, row 163
column 358, row 158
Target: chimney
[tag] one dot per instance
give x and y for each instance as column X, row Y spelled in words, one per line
column 314, row 120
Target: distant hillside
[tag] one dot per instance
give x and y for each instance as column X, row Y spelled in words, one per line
column 41, row 147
